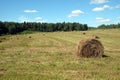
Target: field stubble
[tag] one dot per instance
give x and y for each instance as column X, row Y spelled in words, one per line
column 52, row 56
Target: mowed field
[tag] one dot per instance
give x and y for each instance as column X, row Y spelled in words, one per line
column 52, row 56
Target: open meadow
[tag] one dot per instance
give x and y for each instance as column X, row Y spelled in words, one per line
column 52, row 56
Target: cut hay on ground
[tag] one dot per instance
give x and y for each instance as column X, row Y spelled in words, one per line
column 90, row 48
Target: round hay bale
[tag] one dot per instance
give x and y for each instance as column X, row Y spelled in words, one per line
column 3, row 38
column 90, row 48
column 43, row 34
column 84, row 33
column 29, row 37
column 96, row 37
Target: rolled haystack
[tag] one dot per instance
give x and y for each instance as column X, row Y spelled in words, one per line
column 84, row 33
column 96, row 37
column 90, row 48
column 30, row 37
column 43, row 34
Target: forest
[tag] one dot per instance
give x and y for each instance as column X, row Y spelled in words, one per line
column 14, row 27
column 111, row 26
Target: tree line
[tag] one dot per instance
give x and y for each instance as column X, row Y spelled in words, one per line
column 15, row 27
column 110, row 26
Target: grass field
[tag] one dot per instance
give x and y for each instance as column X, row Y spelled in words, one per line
column 52, row 56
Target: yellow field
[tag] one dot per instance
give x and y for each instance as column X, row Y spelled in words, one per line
column 52, row 56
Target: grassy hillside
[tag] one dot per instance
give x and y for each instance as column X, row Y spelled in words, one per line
column 52, row 56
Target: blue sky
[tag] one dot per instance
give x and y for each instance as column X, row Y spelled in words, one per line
column 91, row 12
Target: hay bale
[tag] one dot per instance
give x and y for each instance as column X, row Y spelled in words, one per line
column 43, row 34
column 84, row 33
column 30, row 37
column 90, row 48
column 3, row 38
column 95, row 37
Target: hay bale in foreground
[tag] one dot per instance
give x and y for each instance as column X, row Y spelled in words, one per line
column 90, row 48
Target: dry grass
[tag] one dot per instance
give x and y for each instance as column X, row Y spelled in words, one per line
column 52, row 57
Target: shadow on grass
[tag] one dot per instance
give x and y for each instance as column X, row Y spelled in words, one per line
column 104, row 56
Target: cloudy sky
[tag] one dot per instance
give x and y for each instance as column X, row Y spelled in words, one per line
column 91, row 12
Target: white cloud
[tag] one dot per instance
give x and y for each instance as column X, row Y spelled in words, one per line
column 23, row 19
column 102, row 20
column 98, row 9
column 98, row 1
column 106, row 7
column 117, row 6
column 30, row 11
column 39, row 19
column 26, row 19
column 75, row 13
column 118, row 18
